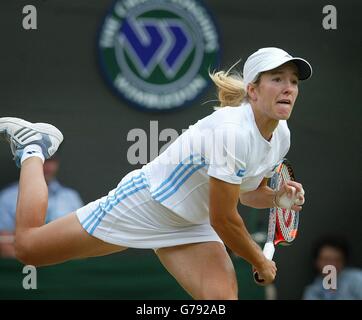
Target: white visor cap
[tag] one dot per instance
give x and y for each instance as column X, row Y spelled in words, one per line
column 266, row 59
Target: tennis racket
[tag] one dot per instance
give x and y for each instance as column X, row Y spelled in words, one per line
column 283, row 223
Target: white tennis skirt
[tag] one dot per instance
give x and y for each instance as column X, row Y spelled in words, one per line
column 128, row 216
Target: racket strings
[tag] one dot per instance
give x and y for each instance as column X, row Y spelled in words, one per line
column 288, row 231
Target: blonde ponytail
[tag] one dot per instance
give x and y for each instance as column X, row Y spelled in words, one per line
column 230, row 87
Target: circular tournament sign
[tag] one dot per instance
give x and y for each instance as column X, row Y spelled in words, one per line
column 157, row 53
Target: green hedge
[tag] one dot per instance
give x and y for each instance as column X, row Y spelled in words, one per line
column 132, row 275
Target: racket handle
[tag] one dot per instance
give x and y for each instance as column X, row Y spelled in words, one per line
column 268, row 252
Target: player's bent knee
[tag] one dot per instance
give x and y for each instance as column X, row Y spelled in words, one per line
column 22, row 253
column 25, row 252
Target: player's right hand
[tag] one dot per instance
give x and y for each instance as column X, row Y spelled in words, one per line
column 266, row 272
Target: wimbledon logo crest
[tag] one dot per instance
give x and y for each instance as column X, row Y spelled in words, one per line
column 157, row 53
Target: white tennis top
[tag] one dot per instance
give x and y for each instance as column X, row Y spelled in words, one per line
column 226, row 145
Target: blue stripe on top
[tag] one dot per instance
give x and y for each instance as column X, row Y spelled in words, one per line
column 173, row 188
column 172, row 174
column 180, row 169
column 178, row 176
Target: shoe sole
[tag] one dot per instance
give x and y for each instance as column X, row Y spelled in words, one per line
column 43, row 128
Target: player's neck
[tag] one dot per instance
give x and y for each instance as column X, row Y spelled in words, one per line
column 265, row 124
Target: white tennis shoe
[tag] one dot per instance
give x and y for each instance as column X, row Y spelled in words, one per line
column 20, row 133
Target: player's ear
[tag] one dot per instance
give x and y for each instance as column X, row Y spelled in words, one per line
column 251, row 90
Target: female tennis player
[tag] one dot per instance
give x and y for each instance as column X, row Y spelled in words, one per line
column 184, row 203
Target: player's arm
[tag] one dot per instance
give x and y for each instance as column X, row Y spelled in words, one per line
column 228, row 224
column 261, row 198
column 264, row 197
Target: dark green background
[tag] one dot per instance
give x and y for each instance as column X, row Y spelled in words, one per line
column 52, row 75
column 133, row 275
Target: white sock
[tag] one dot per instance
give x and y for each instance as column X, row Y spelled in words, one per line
column 32, row 150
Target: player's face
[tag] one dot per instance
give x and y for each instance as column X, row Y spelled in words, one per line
column 277, row 91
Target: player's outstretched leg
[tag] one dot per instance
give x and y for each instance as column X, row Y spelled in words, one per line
column 62, row 239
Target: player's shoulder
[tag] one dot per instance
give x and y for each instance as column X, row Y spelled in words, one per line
column 232, row 113
column 233, row 117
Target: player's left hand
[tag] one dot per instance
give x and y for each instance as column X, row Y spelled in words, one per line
column 291, row 195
